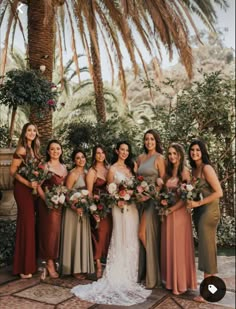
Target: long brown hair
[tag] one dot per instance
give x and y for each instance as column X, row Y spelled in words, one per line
column 157, row 139
column 182, row 163
column 35, row 143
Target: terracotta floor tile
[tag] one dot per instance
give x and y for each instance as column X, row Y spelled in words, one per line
column 75, row 303
column 46, row 293
column 17, row 285
column 11, row 302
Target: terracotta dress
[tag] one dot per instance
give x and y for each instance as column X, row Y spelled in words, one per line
column 25, row 253
column 101, row 236
column 49, row 224
column 77, row 253
column 177, row 249
column 149, row 259
column 206, row 219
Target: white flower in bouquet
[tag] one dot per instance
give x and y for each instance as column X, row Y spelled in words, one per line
column 144, row 184
column 189, row 187
column 130, row 182
column 62, row 199
column 126, row 197
column 55, row 199
column 75, row 196
column 84, row 192
column 112, row 188
column 93, row 208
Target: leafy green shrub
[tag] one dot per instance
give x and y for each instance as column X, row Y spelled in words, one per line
column 4, row 136
column 7, row 242
column 226, row 231
column 86, row 134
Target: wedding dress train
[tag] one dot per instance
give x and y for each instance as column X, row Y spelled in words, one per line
column 119, row 286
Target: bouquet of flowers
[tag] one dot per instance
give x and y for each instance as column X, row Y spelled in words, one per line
column 121, row 193
column 56, row 197
column 143, row 190
column 167, row 198
column 33, row 170
column 99, row 207
column 191, row 191
column 80, row 199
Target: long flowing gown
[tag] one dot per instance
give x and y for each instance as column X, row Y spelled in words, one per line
column 206, row 219
column 101, row 236
column 149, row 259
column 25, row 252
column 77, row 253
column 119, row 286
column 49, row 223
column 177, row 249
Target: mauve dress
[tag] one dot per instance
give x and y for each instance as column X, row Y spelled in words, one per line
column 25, row 253
column 101, row 236
column 49, row 223
column 177, row 249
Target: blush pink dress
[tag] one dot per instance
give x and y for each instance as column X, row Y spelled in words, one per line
column 177, row 249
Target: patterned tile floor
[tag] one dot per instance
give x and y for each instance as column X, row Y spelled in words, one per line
column 55, row 293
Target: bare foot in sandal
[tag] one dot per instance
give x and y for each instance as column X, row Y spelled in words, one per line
column 79, row 276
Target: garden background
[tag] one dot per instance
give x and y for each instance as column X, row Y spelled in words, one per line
column 123, row 105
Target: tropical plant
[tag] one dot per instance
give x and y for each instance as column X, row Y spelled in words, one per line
column 204, row 109
column 154, row 21
column 27, row 88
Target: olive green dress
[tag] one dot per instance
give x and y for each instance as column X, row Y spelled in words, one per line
column 77, row 252
column 206, row 219
column 149, row 259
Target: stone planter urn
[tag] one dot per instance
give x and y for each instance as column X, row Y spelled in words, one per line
column 8, row 209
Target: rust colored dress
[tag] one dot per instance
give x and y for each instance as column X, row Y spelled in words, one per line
column 25, row 253
column 177, row 249
column 102, row 235
column 49, row 227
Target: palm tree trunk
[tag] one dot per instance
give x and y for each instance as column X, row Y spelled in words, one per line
column 97, row 81
column 41, row 35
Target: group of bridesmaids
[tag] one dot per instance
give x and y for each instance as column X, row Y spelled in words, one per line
column 166, row 248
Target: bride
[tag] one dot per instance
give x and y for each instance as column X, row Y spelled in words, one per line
column 119, row 286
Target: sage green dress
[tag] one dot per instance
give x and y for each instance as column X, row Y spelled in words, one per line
column 77, row 252
column 206, row 219
column 149, row 259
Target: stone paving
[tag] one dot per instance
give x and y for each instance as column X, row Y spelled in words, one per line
column 55, row 293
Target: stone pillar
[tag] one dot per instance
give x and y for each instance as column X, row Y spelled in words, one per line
column 8, row 209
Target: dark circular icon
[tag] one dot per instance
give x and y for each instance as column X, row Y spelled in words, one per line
column 212, row 289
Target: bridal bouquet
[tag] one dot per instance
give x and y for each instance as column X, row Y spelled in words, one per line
column 121, row 193
column 143, row 190
column 191, row 191
column 167, row 198
column 80, row 199
column 33, row 170
column 56, row 197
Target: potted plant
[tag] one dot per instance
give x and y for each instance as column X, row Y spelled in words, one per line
column 20, row 88
column 26, row 88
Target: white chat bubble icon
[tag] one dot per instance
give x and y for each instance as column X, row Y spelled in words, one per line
column 212, row 288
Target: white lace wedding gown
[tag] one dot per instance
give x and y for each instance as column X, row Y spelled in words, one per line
column 119, row 286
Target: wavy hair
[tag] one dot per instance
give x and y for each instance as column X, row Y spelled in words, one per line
column 182, row 162
column 22, row 142
column 94, row 162
column 54, row 141
column 157, row 138
column 205, row 155
column 129, row 161
column 74, row 153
